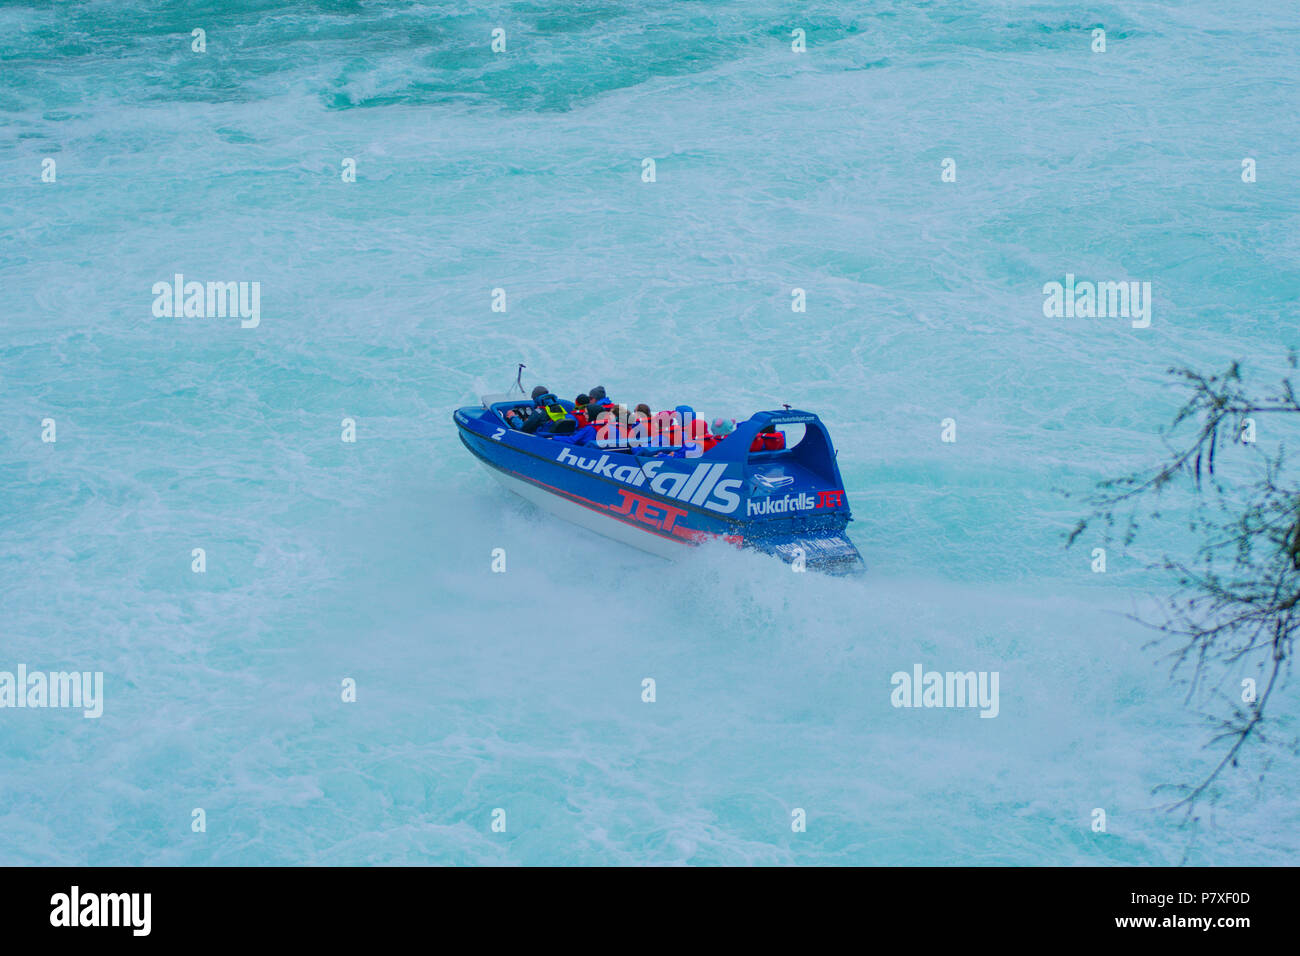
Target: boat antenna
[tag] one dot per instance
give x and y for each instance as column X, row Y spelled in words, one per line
column 519, row 377
column 785, row 405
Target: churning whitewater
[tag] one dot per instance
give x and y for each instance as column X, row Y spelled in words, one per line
column 247, row 287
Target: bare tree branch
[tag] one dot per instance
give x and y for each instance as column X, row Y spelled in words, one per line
column 1237, row 600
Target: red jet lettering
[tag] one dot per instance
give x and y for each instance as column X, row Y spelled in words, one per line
column 647, row 511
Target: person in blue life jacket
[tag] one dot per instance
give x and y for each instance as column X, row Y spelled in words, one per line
column 545, row 412
column 604, row 427
column 583, row 435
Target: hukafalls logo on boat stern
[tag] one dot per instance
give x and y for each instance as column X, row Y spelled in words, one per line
column 703, row 486
column 779, row 506
column 772, row 505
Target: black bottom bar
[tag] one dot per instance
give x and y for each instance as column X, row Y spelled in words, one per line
column 329, row 906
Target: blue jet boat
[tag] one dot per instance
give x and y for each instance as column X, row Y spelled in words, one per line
column 788, row 502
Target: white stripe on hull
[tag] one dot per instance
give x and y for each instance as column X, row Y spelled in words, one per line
column 592, row 520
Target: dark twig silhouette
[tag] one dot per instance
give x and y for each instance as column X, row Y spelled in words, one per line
column 1237, row 600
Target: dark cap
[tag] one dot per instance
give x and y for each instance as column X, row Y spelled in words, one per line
column 597, row 393
column 539, row 391
column 582, row 400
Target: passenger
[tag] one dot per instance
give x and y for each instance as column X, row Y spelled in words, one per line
column 633, row 425
column 535, row 421
column 769, row 439
column 667, row 428
column 580, row 406
column 699, row 441
column 701, row 435
column 609, row 428
column 639, row 434
column 539, row 417
column 588, row 433
column 686, row 416
column 722, row 427
column 583, row 436
column 619, row 425
column 566, row 425
column 560, row 421
column 518, row 415
column 594, row 431
column 644, row 409
column 656, row 427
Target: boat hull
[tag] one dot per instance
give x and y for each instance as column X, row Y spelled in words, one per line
column 587, row 516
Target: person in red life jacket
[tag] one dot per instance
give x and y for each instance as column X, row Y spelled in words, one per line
column 639, row 433
column 691, row 433
column 623, row 419
column 769, row 439
column 701, row 435
column 690, row 446
column 669, row 426
column 586, row 435
column 608, row 429
column 644, row 409
column 580, row 406
column 722, row 427
column 655, row 428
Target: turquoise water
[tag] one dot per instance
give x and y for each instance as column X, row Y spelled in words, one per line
column 523, row 171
